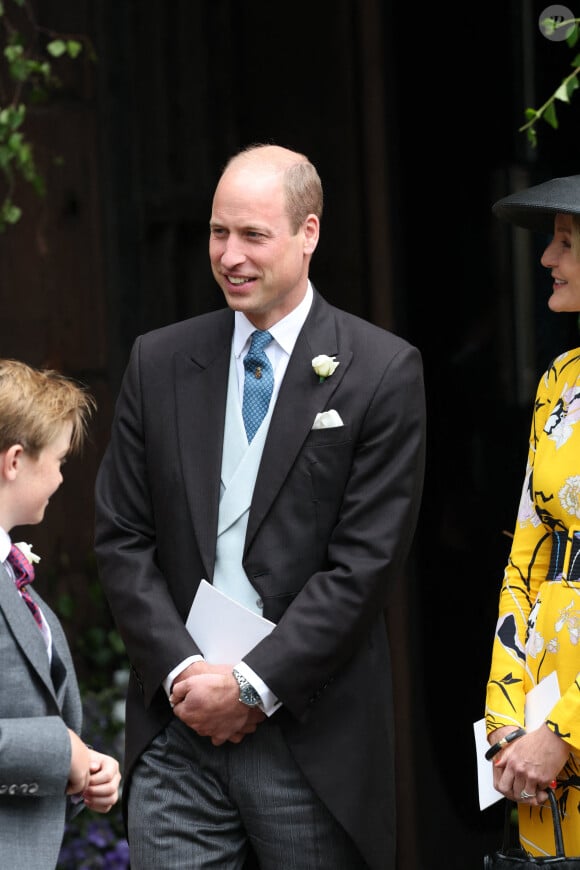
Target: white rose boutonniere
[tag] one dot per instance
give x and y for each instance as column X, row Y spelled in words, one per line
column 26, row 550
column 324, row 366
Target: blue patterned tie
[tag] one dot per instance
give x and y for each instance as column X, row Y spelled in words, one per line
column 258, row 382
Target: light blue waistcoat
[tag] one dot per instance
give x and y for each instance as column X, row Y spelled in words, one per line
column 240, row 463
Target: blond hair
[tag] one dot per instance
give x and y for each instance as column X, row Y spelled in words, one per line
column 576, row 235
column 36, row 403
column 300, row 180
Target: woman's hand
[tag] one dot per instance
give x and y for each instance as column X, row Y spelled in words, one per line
column 523, row 769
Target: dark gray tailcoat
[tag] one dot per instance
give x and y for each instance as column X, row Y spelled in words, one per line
column 330, row 526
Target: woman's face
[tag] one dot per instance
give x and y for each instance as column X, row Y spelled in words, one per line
column 564, row 265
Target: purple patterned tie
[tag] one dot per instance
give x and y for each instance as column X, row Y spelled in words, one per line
column 23, row 575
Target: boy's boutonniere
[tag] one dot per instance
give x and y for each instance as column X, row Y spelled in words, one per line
column 26, row 550
column 324, row 366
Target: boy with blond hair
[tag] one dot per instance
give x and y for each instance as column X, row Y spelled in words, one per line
column 47, row 772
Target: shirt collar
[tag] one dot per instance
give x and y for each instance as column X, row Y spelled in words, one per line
column 5, row 544
column 285, row 332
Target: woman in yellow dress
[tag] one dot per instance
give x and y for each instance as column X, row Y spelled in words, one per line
column 538, row 627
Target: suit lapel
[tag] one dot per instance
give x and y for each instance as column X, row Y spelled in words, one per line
column 24, row 629
column 201, row 380
column 300, row 398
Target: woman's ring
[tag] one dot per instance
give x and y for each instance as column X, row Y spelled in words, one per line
column 525, row 796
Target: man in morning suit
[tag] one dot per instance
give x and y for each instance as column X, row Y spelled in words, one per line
column 286, row 757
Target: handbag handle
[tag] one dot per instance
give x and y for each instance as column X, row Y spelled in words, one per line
column 511, row 839
column 558, row 839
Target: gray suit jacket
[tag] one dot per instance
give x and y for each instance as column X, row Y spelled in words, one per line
column 35, row 710
column 330, row 526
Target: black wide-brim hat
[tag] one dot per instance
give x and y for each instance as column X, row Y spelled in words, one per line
column 534, row 208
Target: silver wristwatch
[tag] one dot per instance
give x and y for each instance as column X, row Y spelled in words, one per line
column 248, row 694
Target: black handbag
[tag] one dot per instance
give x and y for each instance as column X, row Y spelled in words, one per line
column 512, row 857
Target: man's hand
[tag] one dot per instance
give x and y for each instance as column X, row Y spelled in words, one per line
column 206, row 698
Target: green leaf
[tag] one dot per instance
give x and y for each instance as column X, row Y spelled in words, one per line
column 19, row 70
column 57, row 47
column 12, row 117
column 18, row 115
column 13, row 52
column 530, row 113
column 562, row 93
column 550, row 116
column 15, row 141
column 73, row 48
column 25, row 161
column 548, row 25
column 11, row 213
column 532, row 137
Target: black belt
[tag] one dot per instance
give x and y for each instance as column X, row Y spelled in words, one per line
column 560, row 542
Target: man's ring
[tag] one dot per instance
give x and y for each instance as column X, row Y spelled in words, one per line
column 524, row 795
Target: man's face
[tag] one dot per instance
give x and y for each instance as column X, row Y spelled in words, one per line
column 259, row 263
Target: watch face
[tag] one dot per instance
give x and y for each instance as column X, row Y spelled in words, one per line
column 248, row 694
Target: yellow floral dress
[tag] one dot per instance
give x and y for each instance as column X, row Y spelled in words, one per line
column 538, row 627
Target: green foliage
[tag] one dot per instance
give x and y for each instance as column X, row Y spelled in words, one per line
column 98, row 649
column 26, row 78
column 547, row 112
column 101, row 648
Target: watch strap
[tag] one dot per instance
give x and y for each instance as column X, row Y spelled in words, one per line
column 248, row 695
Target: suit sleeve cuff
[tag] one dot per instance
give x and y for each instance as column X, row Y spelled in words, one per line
column 270, row 702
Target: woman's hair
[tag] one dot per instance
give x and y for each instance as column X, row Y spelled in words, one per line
column 36, row 403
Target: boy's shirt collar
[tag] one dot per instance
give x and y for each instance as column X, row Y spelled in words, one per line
column 5, row 544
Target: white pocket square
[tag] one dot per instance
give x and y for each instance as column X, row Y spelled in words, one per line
column 327, row 420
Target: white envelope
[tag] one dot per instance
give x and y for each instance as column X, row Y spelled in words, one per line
column 327, row 420
column 223, row 629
